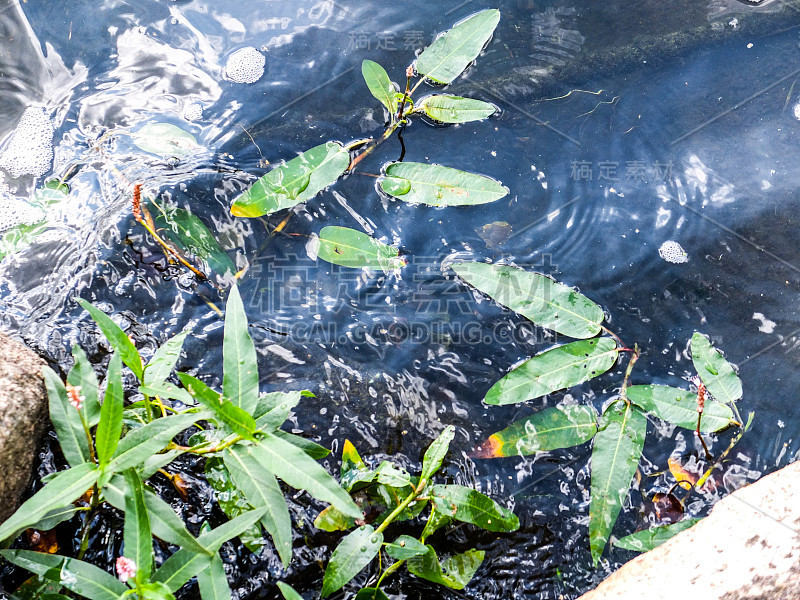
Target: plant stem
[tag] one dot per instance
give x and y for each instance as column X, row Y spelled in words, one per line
column 402, row 506
column 389, row 570
column 389, row 131
column 87, row 523
column 631, row 362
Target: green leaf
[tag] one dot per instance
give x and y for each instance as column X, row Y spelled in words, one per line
column 615, row 456
column 75, row 575
column 435, row 185
column 66, row 421
column 240, row 367
column 435, row 522
column 371, row 593
column 142, row 443
column 436, row 452
column 262, row 491
column 155, row 462
column 354, row 552
column 645, row 540
column 293, row 182
column 164, row 139
column 109, row 429
column 213, row 582
column 331, row 520
column 232, row 501
column 66, row 487
column 454, row 109
column 191, row 234
column 380, row 85
column 224, row 410
column 54, row 517
column 81, row 374
column 538, row 298
column 297, row 469
column 470, row 506
column 452, row 52
column 312, row 449
column 168, row 390
column 459, row 569
column 288, row 592
column 390, row 474
column 553, row 370
column 679, row 407
column 717, row 374
column 548, row 429
column 163, row 361
column 350, row 248
column 117, row 338
column 274, row 408
column 154, row 591
column 51, row 193
column 405, row 547
column 136, row 534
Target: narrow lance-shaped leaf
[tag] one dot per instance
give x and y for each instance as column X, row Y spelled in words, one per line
column 66, row 421
column 549, row 429
column 81, row 374
column 458, row 570
column 191, row 234
column 436, row 453
column 293, row 182
column 233, row 502
column 643, row 541
column 445, row 108
column 380, row 85
column 62, row 490
column 75, row 575
column 538, row 298
column 165, row 139
column 451, row 53
column 679, row 407
column 274, row 408
column 164, row 360
column 435, row 185
column 553, row 370
column 117, row 338
column 615, row 456
column 213, row 582
column 225, row 411
column 137, row 536
column 470, row 506
column 240, row 367
column 717, row 374
column 353, row 553
column 350, row 248
column 109, row 429
column 288, row 592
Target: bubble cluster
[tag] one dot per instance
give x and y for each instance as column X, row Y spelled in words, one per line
column 30, row 151
column 673, row 252
column 246, row 65
column 193, row 111
column 14, row 211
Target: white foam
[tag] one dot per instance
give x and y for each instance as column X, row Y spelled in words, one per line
column 673, row 252
column 193, row 111
column 30, row 151
column 246, row 65
column 14, row 211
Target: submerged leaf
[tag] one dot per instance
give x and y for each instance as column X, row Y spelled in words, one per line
column 293, row 182
column 445, row 108
column 164, row 139
column 351, row 248
column 548, row 429
column 432, row 184
column 538, row 298
column 679, row 407
column 553, row 370
column 453, row 51
column 191, row 234
column 645, row 540
column 615, row 456
column 717, row 374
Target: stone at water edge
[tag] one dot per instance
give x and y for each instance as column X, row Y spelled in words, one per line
column 23, row 410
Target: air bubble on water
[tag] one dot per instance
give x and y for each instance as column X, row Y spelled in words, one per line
column 673, row 252
column 246, row 65
column 15, row 211
column 30, row 150
column 193, row 111
column 796, row 111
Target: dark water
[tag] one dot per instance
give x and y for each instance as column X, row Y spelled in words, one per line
column 621, row 128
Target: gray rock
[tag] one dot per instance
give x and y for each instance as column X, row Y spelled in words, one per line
column 748, row 548
column 23, row 410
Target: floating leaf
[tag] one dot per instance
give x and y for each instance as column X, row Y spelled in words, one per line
column 453, row 51
column 436, row 452
column 352, row 554
column 548, row 429
column 538, row 298
column 350, row 248
column 470, row 506
column 405, row 547
column 553, row 370
column 615, row 456
column 645, row 540
column 240, row 367
column 380, row 85
column 454, row 573
column 164, row 139
column 454, row 109
column 191, row 234
column 679, row 407
column 421, row 183
column 293, row 182
column 717, row 374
